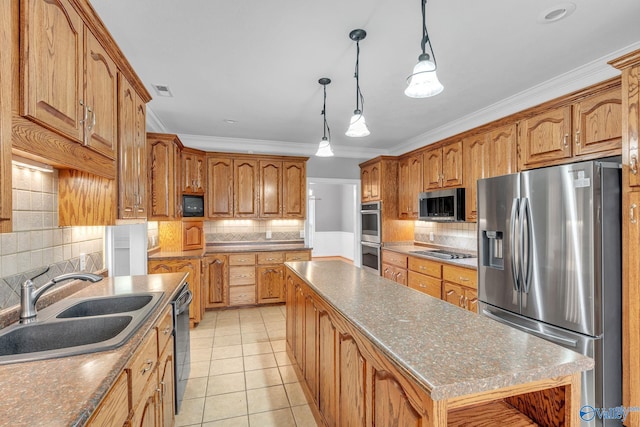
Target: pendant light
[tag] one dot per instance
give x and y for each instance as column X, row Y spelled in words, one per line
column 324, row 148
column 357, row 125
column 424, row 82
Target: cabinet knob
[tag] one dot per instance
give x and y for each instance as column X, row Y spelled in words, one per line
column 634, row 164
column 577, row 137
column 461, row 302
column 422, row 285
column 632, row 214
column 564, row 140
column 464, row 279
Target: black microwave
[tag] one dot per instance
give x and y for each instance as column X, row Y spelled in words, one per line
column 192, row 206
column 443, row 205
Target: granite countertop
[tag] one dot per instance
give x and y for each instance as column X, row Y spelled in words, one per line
column 66, row 391
column 407, row 248
column 215, row 248
column 449, row 351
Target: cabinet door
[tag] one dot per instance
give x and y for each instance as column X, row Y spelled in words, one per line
column 423, row 283
column 598, row 123
column 391, row 405
column 353, row 385
column 166, row 386
column 270, row 189
column 290, row 306
column 192, row 235
column 476, row 158
column 114, row 408
column 52, row 64
column 6, row 97
column 365, row 184
column 375, row 182
column 327, row 374
column 471, row 300
column 415, row 184
column 270, row 284
column 127, row 156
column 453, row 293
column 432, row 173
column 404, row 184
column 140, row 142
column 294, row 190
column 146, row 413
column 502, row 151
column 452, row 164
column 546, row 137
column 298, row 349
column 245, row 188
column 193, row 168
column 162, row 183
column 631, row 296
column 219, row 187
column 216, row 281
column 101, row 94
column 311, row 347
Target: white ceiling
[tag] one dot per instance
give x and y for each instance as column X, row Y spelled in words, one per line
column 258, row 62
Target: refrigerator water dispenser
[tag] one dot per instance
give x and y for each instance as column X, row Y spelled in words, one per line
column 492, row 249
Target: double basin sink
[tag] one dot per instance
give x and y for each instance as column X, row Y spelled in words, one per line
column 77, row 326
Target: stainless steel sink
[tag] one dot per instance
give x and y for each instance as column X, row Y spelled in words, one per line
column 77, row 326
column 107, row 305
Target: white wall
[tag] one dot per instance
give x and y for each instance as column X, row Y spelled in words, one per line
column 333, row 243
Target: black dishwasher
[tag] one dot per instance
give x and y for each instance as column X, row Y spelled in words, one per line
column 181, row 342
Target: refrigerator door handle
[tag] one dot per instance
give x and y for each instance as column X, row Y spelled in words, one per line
column 525, row 245
column 563, row 341
column 512, row 245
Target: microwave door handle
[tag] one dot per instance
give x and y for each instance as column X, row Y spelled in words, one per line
column 512, row 244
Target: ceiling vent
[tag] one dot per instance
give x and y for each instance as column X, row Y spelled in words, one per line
column 163, row 90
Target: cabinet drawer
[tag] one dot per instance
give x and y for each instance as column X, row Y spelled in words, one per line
column 242, row 259
column 298, row 256
column 271, row 258
column 242, row 276
column 114, row 409
column 463, row 276
column 165, row 327
column 242, row 295
column 394, row 258
column 428, row 285
column 424, row 266
column 143, row 364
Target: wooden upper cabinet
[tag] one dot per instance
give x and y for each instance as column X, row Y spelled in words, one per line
column 443, row 166
column 52, row 52
column 163, row 153
column 294, row 189
column 503, row 146
column 101, row 94
column 370, row 183
column 69, row 81
column 410, row 185
column 546, row 137
column 477, row 166
column 270, row 189
column 193, row 171
column 5, row 121
column 219, row 187
column 132, row 155
column 245, row 188
column 597, row 122
column 192, row 235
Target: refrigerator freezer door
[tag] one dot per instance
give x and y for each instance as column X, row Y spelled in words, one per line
column 498, row 203
column 558, row 246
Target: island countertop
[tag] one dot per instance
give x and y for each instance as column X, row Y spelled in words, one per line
column 65, row 391
column 448, row 351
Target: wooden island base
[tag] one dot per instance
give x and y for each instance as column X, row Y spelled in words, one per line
column 350, row 381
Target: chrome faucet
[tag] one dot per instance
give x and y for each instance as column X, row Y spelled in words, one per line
column 29, row 295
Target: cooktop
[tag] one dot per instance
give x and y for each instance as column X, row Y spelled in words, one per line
column 439, row 253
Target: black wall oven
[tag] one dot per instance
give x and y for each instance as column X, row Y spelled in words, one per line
column 371, row 236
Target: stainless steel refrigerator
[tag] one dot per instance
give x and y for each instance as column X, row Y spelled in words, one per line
column 549, row 263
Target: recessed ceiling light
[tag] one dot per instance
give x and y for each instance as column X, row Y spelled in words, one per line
column 163, row 90
column 556, row 13
column 230, row 121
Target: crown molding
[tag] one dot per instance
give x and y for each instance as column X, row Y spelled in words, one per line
column 591, row 73
column 154, row 123
column 258, row 146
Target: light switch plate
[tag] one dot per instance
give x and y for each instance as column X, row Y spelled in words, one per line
column 268, row 234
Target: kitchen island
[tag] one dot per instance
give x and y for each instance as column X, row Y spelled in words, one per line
column 371, row 351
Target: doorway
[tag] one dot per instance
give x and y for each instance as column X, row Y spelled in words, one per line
column 333, row 225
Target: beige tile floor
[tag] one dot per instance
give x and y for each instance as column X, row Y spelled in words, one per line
column 241, row 374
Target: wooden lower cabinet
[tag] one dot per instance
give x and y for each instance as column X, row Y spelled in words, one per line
column 397, row 274
column 216, row 281
column 353, row 369
column 145, row 414
column 270, row 283
column 461, row 296
column 426, row 284
column 187, row 265
column 327, row 368
column 166, row 405
column 114, row 408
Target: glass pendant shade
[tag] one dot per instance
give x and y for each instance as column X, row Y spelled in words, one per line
column 357, row 125
column 324, row 149
column 424, row 82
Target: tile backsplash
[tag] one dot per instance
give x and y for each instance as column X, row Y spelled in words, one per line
column 246, row 230
column 37, row 241
column 460, row 235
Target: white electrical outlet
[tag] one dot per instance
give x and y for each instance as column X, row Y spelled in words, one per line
column 302, row 234
column 432, row 236
column 83, row 262
column 268, row 234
